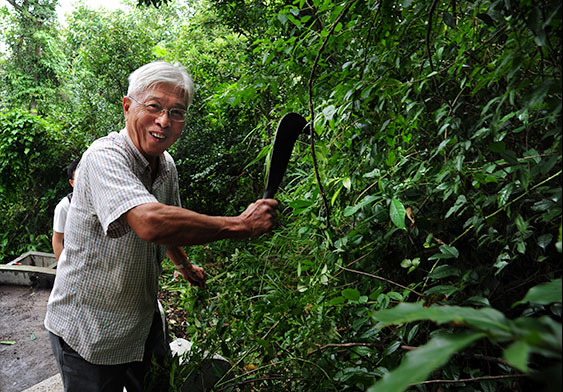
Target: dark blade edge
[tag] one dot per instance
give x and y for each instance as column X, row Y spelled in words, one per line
column 289, row 128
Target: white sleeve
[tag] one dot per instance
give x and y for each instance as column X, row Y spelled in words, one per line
column 60, row 215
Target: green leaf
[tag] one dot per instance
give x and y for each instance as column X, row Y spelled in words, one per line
column 449, row 20
column 559, row 243
column 397, row 213
column 411, row 264
column 486, row 18
column 461, row 200
column 351, row 294
column 502, row 261
column 504, row 194
column 444, row 271
column 477, row 301
column 521, row 224
column 418, row 364
column 8, row 342
column 543, row 294
column 391, row 158
column 446, row 290
column 517, row 354
column 497, row 147
column 545, row 240
column 351, row 210
column 510, row 157
column 329, row 111
column 485, row 319
column 336, row 301
column 450, row 251
column 391, row 349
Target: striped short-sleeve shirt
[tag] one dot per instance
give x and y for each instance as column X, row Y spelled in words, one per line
column 104, row 296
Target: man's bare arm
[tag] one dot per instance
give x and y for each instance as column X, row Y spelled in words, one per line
column 175, row 226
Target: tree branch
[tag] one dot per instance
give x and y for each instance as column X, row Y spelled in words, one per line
column 383, row 279
column 484, row 378
column 345, row 345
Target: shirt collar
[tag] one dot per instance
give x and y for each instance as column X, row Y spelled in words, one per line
column 162, row 167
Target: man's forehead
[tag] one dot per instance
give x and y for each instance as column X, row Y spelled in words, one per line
column 165, row 91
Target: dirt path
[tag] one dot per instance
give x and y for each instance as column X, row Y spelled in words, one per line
column 30, row 360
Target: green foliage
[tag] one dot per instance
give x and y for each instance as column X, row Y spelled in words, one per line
column 439, row 152
column 96, row 43
column 528, row 336
column 429, row 205
column 31, row 69
column 31, row 170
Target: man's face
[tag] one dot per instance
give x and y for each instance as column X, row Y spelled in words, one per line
column 152, row 134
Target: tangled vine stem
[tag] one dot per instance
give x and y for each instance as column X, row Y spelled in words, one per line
column 474, row 379
column 312, row 123
column 428, row 31
column 383, row 279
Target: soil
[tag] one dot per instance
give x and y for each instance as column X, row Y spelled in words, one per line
column 175, row 315
column 29, row 360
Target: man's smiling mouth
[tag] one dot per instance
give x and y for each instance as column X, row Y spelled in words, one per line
column 158, row 136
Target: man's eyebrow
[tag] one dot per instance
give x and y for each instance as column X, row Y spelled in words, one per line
column 179, row 105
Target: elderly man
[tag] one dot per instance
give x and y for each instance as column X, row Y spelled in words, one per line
column 124, row 217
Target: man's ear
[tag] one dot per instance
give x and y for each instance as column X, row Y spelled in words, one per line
column 126, row 105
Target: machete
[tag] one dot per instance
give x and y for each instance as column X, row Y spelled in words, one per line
column 289, row 128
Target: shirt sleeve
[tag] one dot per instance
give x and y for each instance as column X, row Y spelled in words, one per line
column 59, row 219
column 176, row 201
column 113, row 188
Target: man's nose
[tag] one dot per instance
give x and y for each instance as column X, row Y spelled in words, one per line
column 163, row 118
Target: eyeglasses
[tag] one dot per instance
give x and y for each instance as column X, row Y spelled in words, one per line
column 175, row 114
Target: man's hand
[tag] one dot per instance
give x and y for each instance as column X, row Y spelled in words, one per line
column 193, row 274
column 260, row 216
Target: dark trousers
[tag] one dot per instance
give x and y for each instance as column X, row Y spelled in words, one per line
column 79, row 375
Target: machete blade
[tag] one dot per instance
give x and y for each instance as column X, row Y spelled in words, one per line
column 289, row 128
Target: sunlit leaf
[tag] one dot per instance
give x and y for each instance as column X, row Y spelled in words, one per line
column 397, row 213
column 545, row 240
column 351, row 210
column 504, row 194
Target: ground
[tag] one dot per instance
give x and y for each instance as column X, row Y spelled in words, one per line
column 175, row 316
column 25, row 350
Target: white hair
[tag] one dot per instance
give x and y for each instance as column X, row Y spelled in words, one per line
column 160, row 72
